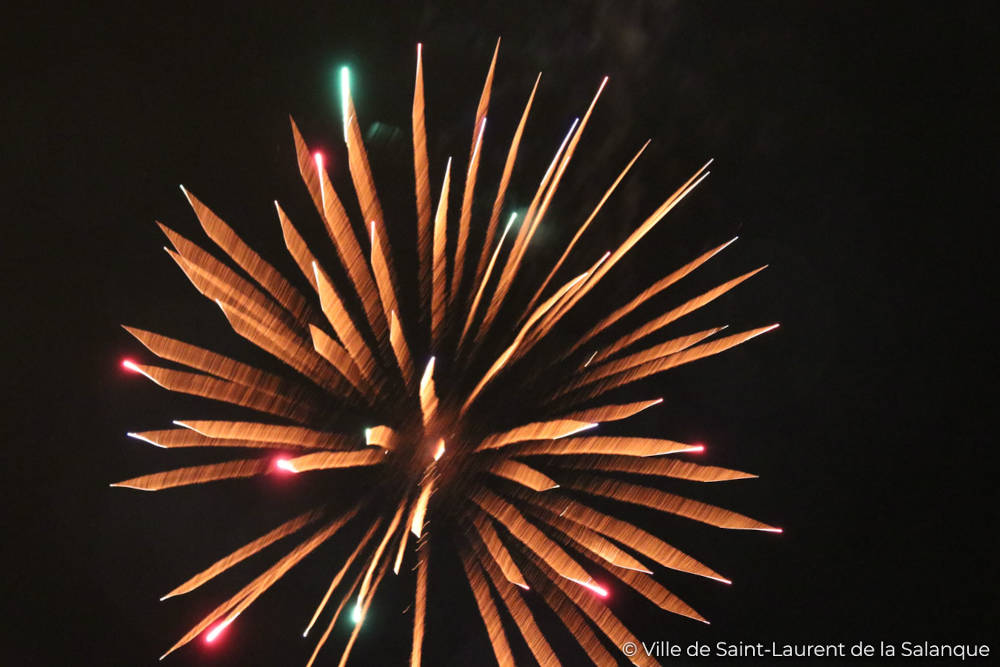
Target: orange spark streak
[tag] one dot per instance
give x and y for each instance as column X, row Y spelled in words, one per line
column 497, row 551
column 650, row 292
column 245, row 597
column 244, row 552
column 488, row 612
column 513, row 259
column 631, row 536
column 400, row 349
column 439, row 285
column 521, row 614
column 458, row 270
column 428, row 395
column 482, row 284
column 423, row 187
column 658, row 467
column 522, row 474
column 380, row 266
column 343, row 325
column 342, row 572
column 585, row 225
column 503, row 358
column 525, row 532
column 260, row 270
column 330, row 460
column 380, row 436
column 601, row 444
column 671, row 361
column 667, row 502
column 298, row 436
column 420, row 509
column 197, row 474
column 419, row 607
column 589, row 540
column 563, row 163
column 390, row 531
column 508, row 169
column 607, row 413
column 336, row 615
column 470, row 179
column 674, row 314
column 638, row 234
column 551, row 430
column 341, row 232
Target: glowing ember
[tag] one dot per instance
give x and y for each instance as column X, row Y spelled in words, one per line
column 286, row 465
column 214, row 633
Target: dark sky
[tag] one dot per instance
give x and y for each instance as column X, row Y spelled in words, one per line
column 850, row 156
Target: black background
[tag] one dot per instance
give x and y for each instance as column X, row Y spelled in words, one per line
column 851, row 155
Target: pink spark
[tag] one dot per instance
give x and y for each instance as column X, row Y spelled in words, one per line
column 214, row 633
column 603, row 592
column 130, row 365
column 697, row 448
column 286, row 465
column 319, row 160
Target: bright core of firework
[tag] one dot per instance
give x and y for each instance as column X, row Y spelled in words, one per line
column 449, row 359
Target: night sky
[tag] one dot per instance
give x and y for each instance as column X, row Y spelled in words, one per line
column 850, row 156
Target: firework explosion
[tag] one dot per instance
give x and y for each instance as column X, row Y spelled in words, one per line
column 441, row 452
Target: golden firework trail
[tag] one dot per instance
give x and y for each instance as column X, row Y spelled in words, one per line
column 431, row 361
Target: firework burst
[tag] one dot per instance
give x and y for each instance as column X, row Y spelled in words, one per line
column 442, row 454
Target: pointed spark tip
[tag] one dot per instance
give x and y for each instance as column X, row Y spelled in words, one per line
column 285, row 464
column 214, row 633
column 130, row 365
column 698, row 448
column 524, row 586
column 658, row 401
